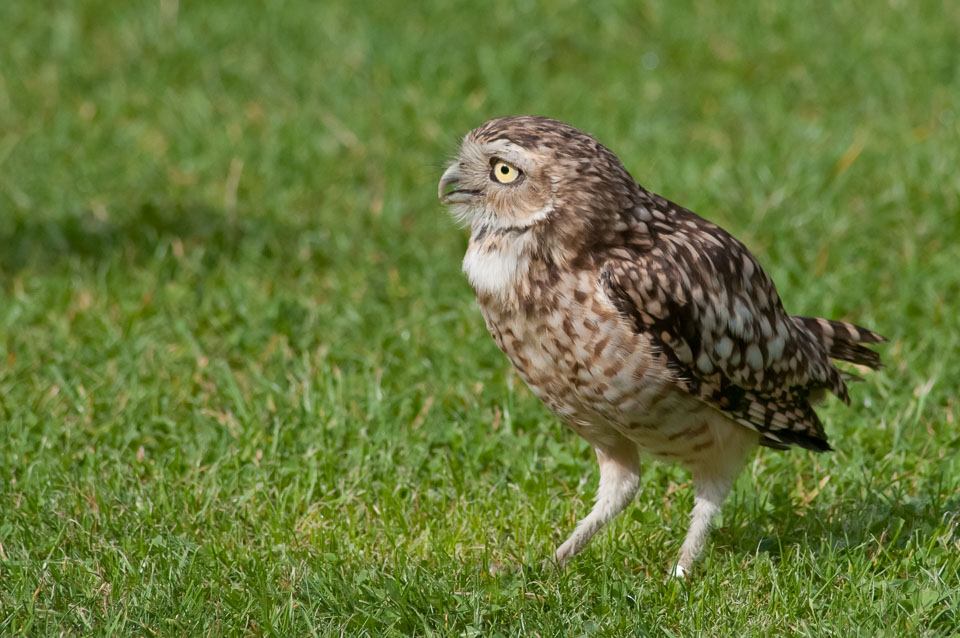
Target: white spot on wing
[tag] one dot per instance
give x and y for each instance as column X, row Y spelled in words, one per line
column 765, row 328
column 754, row 357
column 724, row 347
column 703, row 362
column 741, row 317
column 775, row 347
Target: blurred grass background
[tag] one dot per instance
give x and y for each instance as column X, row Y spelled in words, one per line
column 244, row 389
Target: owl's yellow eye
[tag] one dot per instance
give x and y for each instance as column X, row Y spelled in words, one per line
column 504, row 173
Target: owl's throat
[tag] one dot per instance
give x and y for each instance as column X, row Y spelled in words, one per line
column 498, row 260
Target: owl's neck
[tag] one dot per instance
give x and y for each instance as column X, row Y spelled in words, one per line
column 497, row 263
column 513, row 269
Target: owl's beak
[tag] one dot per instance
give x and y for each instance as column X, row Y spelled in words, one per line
column 456, row 196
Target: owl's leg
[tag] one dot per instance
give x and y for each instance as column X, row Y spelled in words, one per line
column 712, row 480
column 619, row 478
column 710, row 492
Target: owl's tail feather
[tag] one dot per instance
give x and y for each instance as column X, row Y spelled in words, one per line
column 842, row 340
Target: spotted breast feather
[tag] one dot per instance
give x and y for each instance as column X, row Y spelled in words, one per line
column 704, row 300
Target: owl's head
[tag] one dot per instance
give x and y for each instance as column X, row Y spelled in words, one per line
column 534, row 173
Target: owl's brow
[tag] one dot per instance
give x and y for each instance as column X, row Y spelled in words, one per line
column 526, row 141
column 530, row 137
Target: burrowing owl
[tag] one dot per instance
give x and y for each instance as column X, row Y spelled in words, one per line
column 644, row 327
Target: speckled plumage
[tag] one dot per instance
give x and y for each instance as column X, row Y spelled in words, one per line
column 641, row 325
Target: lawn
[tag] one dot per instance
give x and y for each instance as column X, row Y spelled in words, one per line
column 245, row 389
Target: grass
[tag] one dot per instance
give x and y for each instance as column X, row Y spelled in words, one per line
column 245, row 390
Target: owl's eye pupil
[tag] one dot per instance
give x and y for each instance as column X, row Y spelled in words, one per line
column 504, row 169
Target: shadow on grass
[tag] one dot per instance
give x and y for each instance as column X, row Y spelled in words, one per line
column 880, row 523
column 42, row 243
column 877, row 519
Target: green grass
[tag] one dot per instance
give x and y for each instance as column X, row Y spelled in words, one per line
column 245, row 390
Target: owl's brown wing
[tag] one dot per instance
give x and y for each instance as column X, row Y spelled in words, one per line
column 705, row 301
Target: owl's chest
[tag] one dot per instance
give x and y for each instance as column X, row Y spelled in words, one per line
column 574, row 351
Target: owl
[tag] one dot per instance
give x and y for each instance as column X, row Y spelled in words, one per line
column 646, row 329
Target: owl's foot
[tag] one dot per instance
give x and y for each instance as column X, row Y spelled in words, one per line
column 679, row 572
column 565, row 552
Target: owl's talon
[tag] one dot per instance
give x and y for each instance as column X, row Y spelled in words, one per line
column 679, row 572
